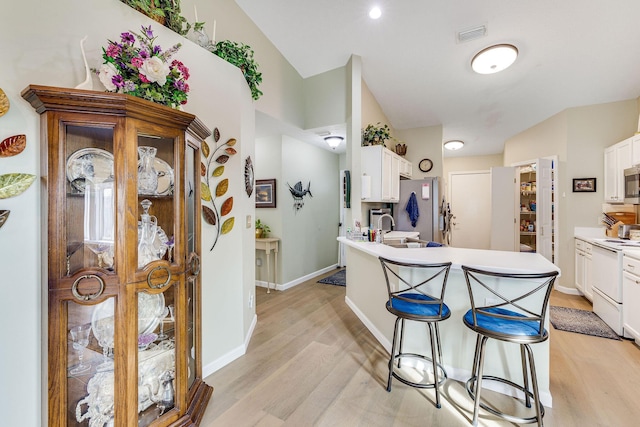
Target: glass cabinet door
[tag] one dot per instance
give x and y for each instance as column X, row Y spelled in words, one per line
column 89, row 203
column 156, row 205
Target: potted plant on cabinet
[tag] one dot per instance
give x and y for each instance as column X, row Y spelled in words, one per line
column 166, row 12
column 375, row 134
column 262, row 229
column 241, row 55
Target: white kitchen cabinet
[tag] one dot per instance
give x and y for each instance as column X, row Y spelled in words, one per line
column 406, row 168
column 583, row 268
column 617, row 158
column 635, row 150
column 631, row 295
column 383, row 168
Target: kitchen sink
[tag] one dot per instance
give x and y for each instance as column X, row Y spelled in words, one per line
column 408, row 243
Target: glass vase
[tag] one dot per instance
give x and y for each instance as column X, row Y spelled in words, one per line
column 147, row 174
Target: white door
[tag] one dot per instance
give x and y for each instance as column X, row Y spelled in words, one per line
column 342, row 258
column 544, row 208
column 470, row 199
column 504, row 205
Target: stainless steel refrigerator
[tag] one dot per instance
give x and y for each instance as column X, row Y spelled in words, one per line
column 427, row 207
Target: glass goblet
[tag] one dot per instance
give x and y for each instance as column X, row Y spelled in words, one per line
column 80, row 338
column 163, row 314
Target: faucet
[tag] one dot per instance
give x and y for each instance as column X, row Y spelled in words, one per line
column 393, row 223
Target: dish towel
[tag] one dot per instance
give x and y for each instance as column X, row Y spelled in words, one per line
column 412, row 209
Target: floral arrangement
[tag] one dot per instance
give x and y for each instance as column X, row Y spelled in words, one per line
column 144, row 71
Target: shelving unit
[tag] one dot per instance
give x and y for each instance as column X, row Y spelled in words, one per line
column 528, row 201
column 122, row 299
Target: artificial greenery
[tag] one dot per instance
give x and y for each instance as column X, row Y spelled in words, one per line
column 261, row 225
column 375, row 135
column 167, row 12
column 241, row 55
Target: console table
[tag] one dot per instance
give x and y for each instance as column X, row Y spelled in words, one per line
column 268, row 244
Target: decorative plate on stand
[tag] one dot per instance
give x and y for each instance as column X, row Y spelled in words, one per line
column 248, row 176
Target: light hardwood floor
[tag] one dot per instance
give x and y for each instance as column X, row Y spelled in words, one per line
column 311, row 362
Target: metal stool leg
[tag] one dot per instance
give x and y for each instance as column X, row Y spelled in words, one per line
column 478, row 385
column 401, row 342
column 393, row 353
column 434, row 360
column 534, row 381
column 525, row 375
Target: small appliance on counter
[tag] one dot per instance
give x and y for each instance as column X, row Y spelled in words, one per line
column 625, row 229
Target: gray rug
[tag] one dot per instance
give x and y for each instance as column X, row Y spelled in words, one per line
column 338, row 279
column 580, row 321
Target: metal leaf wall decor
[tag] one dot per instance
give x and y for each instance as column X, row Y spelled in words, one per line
column 214, row 187
column 13, row 184
column 4, row 215
column 4, row 103
column 13, row 145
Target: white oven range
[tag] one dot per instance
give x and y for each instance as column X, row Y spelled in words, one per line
column 607, row 280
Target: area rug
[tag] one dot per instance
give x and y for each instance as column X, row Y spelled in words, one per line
column 338, row 279
column 580, row 321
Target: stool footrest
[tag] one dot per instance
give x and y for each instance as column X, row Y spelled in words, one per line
column 508, row 417
column 439, row 377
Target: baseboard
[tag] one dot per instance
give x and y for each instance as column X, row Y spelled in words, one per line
column 291, row 284
column 234, row 354
column 565, row 290
column 460, row 375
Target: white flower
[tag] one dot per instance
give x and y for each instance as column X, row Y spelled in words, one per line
column 155, row 70
column 107, row 71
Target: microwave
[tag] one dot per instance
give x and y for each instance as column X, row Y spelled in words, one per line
column 632, row 185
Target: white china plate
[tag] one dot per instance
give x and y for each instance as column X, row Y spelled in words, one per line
column 89, row 163
column 149, row 309
column 165, row 176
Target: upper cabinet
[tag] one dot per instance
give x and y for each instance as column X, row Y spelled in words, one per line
column 383, row 168
column 121, row 259
column 617, row 158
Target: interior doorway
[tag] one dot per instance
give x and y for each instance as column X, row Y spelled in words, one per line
column 470, row 200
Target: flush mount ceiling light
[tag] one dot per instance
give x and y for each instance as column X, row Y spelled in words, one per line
column 333, row 140
column 494, row 58
column 375, row 12
column 453, row 145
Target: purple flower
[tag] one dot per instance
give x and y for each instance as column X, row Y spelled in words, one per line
column 144, row 54
column 127, row 38
column 129, row 86
column 147, row 31
column 181, row 85
column 118, row 80
column 157, row 50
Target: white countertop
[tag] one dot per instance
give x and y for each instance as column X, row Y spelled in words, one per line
column 505, row 261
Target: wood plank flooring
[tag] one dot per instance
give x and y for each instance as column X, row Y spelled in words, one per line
column 311, row 362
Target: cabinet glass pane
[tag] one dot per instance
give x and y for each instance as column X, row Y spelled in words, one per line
column 89, row 213
column 156, row 227
column 192, row 284
column 156, row 354
column 90, row 381
column 192, row 165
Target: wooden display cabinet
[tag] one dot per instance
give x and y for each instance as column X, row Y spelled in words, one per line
column 121, row 271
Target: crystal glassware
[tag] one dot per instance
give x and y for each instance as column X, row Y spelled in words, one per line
column 147, row 174
column 162, row 315
column 80, row 338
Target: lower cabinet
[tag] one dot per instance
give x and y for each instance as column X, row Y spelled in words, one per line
column 583, row 268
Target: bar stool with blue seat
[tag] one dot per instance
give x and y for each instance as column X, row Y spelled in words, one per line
column 513, row 310
column 416, row 292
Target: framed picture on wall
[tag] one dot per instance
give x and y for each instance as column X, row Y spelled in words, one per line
column 265, row 193
column 584, row 185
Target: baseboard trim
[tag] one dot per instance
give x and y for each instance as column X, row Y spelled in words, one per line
column 291, row 284
column 232, row 355
column 460, row 375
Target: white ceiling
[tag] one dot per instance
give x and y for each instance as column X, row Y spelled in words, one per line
column 572, row 53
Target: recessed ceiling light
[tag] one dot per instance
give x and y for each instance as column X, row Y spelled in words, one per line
column 453, row 145
column 375, row 12
column 494, row 58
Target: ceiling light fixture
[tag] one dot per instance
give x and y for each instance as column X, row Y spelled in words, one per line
column 453, row 145
column 375, row 12
column 494, row 58
column 333, row 141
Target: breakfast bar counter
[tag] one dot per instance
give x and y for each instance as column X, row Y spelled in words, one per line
column 366, row 295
